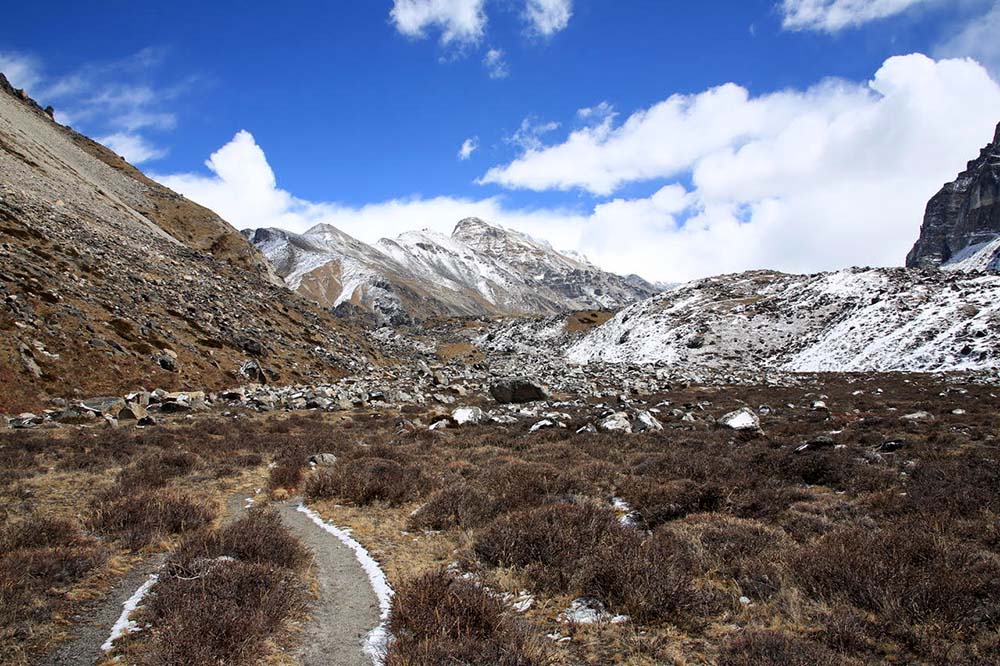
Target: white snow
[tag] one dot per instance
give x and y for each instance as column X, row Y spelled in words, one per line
column 123, row 625
column 377, row 640
column 589, row 611
column 851, row 320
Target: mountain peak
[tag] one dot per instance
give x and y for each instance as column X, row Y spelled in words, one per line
column 474, row 227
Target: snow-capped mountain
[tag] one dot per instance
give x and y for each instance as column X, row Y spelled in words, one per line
column 481, row 269
column 850, row 320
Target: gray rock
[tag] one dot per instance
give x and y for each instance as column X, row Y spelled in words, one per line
column 741, row 419
column 323, row 459
column 104, row 406
column 963, row 214
column 617, row 422
column 517, row 390
column 646, row 422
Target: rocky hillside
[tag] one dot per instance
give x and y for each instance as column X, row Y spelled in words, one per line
column 850, row 320
column 964, row 217
column 109, row 281
column 481, row 269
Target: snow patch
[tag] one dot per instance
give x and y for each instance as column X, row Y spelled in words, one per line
column 123, row 625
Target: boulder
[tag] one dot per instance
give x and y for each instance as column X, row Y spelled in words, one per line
column 740, row 419
column 517, row 390
column 646, row 422
column 617, row 422
column 467, row 415
column 323, row 459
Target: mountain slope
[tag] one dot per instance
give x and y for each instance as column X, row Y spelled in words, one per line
column 110, row 281
column 964, row 214
column 850, row 320
column 481, row 269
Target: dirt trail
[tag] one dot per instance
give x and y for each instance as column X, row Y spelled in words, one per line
column 86, row 647
column 346, row 610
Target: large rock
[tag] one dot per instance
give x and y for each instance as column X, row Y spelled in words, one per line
column 964, row 215
column 518, row 389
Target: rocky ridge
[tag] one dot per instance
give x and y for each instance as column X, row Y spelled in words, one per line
column 109, row 281
column 963, row 218
column 481, row 269
column 849, row 321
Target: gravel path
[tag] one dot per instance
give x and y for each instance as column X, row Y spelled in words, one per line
column 347, row 608
column 86, row 647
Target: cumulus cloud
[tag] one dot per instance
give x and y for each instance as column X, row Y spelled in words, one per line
column 133, row 147
column 835, row 15
column 979, row 38
column 800, row 181
column 496, row 64
column 241, row 187
column 547, row 17
column 469, row 146
column 458, row 21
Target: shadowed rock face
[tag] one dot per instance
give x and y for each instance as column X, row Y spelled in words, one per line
column 966, row 212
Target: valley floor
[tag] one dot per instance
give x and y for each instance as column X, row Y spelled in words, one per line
column 857, row 525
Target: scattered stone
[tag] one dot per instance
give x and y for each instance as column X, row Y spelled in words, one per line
column 918, row 416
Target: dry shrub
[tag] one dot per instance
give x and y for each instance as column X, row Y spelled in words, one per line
column 366, row 480
column 224, row 615
column 657, row 503
column 139, row 518
column 904, row 574
column 39, row 557
column 584, row 551
column 258, row 537
column 747, row 552
column 774, row 648
column 441, row 619
column 501, row 488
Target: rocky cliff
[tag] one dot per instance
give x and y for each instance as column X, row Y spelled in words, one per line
column 964, row 216
column 110, row 281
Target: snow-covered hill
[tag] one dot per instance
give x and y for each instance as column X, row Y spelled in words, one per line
column 850, row 320
column 481, row 269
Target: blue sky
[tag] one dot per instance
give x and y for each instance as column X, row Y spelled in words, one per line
column 355, row 113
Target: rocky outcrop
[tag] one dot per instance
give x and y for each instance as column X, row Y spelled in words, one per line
column 110, row 282
column 964, row 216
column 481, row 269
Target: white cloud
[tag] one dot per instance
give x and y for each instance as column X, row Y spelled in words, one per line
column 469, row 146
column 496, row 64
column 979, row 38
column 459, row 21
column 133, row 147
column 547, row 17
column 802, row 181
column 22, row 71
column 110, row 100
column 528, row 136
column 835, row 15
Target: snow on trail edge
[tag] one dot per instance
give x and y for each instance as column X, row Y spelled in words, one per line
column 123, row 625
column 377, row 640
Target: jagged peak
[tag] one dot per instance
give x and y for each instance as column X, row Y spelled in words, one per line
column 322, row 228
column 996, row 137
column 474, row 225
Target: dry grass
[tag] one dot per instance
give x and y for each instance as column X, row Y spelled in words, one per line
column 850, row 552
